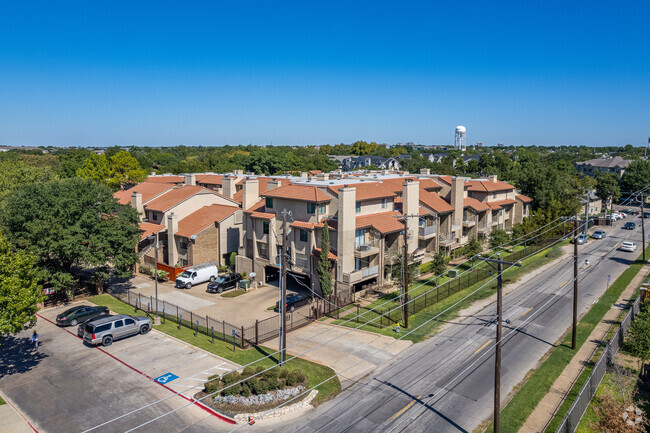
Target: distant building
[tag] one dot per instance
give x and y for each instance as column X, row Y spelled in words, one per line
column 608, row 165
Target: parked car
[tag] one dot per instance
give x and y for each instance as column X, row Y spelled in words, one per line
column 78, row 314
column 295, row 301
column 105, row 331
column 645, row 215
column 628, row 211
column 224, row 282
column 197, row 275
column 628, row 246
column 82, row 326
column 614, row 216
column 629, row 225
column 599, row 234
column 580, row 239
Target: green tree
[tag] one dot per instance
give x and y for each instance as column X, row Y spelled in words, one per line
column 498, row 237
column 96, row 168
column 637, row 341
column 232, row 260
column 125, row 170
column 636, row 176
column 71, row 223
column 19, row 289
column 16, row 173
column 607, row 187
column 439, row 265
column 473, row 248
column 324, row 264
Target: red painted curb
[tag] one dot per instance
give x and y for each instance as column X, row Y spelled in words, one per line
column 21, row 415
column 191, row 400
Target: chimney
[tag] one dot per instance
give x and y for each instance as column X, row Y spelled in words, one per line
column 493, row 178
column 136, row 203
column 251, row 194
column 323, row 176
column 457, row 199
column 153, row 173
column 272, row 184
column 346, row 230
column 411, row 206
column 238, row 172
column 172, row 228
column 190, row 179
column 426, row 171
column 304, row 174
column 228, row 185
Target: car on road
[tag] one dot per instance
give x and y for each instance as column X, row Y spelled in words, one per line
column 104, row 331
column 581, row 239
column 196, row 275
column 82, row 326
column 75, row 315
column 599, row 234
column 628, row 246
column 629, row 225
column 295, row 301
column 224, row 282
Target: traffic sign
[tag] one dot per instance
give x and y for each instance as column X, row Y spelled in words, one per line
column 166, row 378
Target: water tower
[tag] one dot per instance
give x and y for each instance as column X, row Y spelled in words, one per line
column 460, row 139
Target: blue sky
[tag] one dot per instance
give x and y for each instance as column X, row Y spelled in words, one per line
column 215, row 73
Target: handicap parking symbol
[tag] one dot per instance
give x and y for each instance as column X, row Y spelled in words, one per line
column 166, row 378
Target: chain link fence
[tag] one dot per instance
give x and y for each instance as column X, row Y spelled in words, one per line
column 577, row 410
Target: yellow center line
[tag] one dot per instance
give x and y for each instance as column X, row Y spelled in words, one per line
column 603, row 254
column 564, row 283
column 586, row 267
column 527, row 311
column 405, row 408
column 481, row 348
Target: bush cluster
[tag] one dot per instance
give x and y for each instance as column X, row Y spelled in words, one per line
column 271, row 380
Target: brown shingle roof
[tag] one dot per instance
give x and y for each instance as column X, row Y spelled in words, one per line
column 478, row 206
column 384, row 222
column 262, row 215
column 523, row 198
column 209, row 179
column 488, row 186
column 175, row 196
column 303, row 225
column 149, row 229
column 298, row 192
column 166, row 179
column 148, row 190
column 434, row 202
column 429, row 184
column 263, row 183
column 365, row 190
column 498, row 204
column 197, row 221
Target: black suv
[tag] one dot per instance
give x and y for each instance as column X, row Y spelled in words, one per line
column 295, row 301
column 79, row 314
column 224, row 282
column 629, row 226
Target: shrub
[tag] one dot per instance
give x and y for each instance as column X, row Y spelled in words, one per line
column 300, row 376
column 233, row 390
column 245, row 390
column 162, row 275
column 260, row 387
column 247, row 372
column 290, row 380
column 212, row 386
column 223, row 268
column 270, row 376
column 259, row 369
column 147, row 270
column 231, row 378
column 282, row 383
column 283, row 373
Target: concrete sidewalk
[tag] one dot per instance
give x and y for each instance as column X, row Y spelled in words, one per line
column 12, row 421
column 547, row 407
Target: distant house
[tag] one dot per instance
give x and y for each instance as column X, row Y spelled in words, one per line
column 357, row 162
column 608, row 165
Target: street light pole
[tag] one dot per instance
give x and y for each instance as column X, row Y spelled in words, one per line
column 497, row 354
column 643, row 225
column 575, row 285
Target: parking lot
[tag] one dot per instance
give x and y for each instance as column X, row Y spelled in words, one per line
column 67, row 386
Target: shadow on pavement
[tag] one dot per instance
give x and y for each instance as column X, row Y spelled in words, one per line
column 18, row 355
column 120, row 285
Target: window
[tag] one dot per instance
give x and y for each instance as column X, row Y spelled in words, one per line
column 322, row 208
column 102, row 328
column 263, row 250
column 269, row 202
column 358, row 207
column 265, row 227
column 183, row 244
column 129, row 321
column 359, row 238
column 184, row 262
column 311, row 207
column 494, row 195
column 304, row 236
column 301, row 260
column 384, row 203
column 119, row 324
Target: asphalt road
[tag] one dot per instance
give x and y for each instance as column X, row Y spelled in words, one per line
column 445, row 384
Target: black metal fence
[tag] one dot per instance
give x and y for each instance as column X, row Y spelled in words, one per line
column 577, row 410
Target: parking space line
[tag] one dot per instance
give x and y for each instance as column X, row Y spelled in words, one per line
column 191, row 400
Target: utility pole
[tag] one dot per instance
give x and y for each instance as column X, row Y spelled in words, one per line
column 405, row 255
column 497, row 354
column 587, row 213
column 155, row 258
column 643, row 225
column 575, row 285
column 283, row 303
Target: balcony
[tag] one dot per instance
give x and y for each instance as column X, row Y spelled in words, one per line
column 483, row 228
column 361, row 274
column 427, row 232
column 367, row 249
column 463, row 240
column 469, row 223
column 446, row 241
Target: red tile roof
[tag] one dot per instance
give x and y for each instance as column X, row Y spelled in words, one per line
column 429, row 184
column 303, row 225
column 149, row 229
column 434, row 202
column 257, row 207
column 395, row 184
column 298, row 192
column 498, row 204
column 210, row 179
column 478, row 206
column 263, row 183
column 331, row 255
column 148, row 190
column 176, row 196
column 166, row 179
column 445, row 179
column 262, row 215
column 488, row 186
column 331, row 224
column 365, row 190
column 523, row 198
column 198, row 221
column 384, row 222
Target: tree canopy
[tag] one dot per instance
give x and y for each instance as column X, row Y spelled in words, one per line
column 117, row 171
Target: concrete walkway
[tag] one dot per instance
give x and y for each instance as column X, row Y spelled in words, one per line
column 545, row 410
column 12, row 421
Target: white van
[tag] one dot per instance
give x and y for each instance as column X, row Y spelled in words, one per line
column 196, row 275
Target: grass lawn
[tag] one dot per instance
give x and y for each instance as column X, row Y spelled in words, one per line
column 233, row 293
column 428, row 330
column 315, row 372
column 527, row 398
column 2, row 401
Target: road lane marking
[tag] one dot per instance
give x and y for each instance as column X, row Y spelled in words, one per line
column 527, row 311
column 481, row 348
column 564, row 283
column 405, row 408
column 603, row 254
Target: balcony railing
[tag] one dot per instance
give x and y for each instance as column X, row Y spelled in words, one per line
column 427, row 231
column 367, row 249
column 372, row 270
